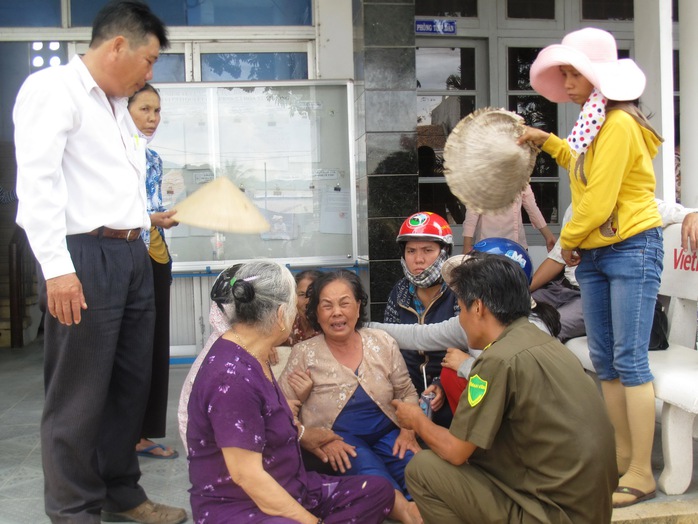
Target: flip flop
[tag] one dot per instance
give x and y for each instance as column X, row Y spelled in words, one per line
column 640, row 496
column 146, row 452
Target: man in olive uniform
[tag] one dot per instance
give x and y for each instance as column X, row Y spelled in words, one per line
column 530, row 440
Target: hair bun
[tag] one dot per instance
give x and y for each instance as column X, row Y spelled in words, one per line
column 243, row 291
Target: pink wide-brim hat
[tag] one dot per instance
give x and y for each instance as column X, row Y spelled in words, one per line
column 593, row 53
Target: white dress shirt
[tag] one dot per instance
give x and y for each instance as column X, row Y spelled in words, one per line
column 80, row 163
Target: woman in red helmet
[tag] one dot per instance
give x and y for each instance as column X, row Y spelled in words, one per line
column 422, row 297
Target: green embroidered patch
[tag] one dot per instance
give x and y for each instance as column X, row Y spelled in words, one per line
column 477, row 387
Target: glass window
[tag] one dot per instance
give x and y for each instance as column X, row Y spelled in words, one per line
column 546, row 199
column 519, row 64
column 31, row 13
column 445, row 68
column 435, row 196
column 538, row 112
column 605, row 10
column 441, row 70
column 212, row 12
column 216, row 67
column 169, row 68
column 47, row 54
column 445, row 111
column 285, row 146
column 531, row 9
column 456, row 8
column 447, row 92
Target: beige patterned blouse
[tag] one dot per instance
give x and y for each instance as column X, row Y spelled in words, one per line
column 382, row 373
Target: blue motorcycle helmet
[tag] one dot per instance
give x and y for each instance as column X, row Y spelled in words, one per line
column 508, row 248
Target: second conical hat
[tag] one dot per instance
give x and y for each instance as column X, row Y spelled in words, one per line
column 483, row 165
column 220, row 206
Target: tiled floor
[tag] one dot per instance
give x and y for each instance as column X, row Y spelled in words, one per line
column 21, row 480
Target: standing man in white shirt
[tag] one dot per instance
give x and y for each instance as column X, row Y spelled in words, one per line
column 81, row 189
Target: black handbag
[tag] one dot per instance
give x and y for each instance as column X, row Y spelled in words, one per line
column 660, row 328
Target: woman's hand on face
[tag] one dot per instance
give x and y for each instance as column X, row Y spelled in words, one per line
column 338, row 453
column 439, row 397
column 405, row 441
column 454, row 358
column 571, row 257
column 301, row 384
column 163, row 219
column 531, row 134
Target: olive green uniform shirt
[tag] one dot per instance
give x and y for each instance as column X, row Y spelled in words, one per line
column 541, row 428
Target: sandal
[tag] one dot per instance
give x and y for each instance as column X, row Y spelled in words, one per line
column 640, row 496
column 148, row 452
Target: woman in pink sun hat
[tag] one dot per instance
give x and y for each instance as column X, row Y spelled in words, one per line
column 614, row 237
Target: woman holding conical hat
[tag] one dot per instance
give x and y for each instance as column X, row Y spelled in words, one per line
column 615, row 234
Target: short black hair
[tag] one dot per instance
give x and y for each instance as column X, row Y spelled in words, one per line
column 146, row 87
column 328, row 277
column 129, row 18
column 496, row 280
column 311, row 274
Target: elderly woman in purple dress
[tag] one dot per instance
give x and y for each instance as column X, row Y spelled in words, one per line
column 243, row 441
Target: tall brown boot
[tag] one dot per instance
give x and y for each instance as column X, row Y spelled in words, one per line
column 638, row 480
column 614, row 397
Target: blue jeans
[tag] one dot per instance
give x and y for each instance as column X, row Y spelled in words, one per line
column 375, row 457
column 619, row 286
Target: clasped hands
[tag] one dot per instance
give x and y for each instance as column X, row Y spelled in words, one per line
column 325, row 443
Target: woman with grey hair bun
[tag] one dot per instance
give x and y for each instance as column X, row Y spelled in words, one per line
column 242, row 437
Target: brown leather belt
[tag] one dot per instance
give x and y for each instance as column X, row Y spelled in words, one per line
column 129, row 235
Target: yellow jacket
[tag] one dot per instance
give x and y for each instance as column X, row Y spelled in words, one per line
column 613, row 191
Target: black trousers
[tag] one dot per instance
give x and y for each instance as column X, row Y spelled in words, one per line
column 96, row 375
column 155, row 420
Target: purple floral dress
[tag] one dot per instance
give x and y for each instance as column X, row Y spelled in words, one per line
column 232, row 404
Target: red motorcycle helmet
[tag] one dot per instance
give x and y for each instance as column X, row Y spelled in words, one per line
column 426, row 226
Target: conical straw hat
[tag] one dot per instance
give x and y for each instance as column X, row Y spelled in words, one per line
column 220, row 206
column 483, row 165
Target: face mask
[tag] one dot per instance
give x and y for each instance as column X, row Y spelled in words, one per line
column 428, row 277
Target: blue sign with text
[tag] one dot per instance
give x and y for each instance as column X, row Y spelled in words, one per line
column 435, row 27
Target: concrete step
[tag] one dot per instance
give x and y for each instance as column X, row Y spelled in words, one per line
column 666, row 512
column 30, row 323
column 664, row 509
